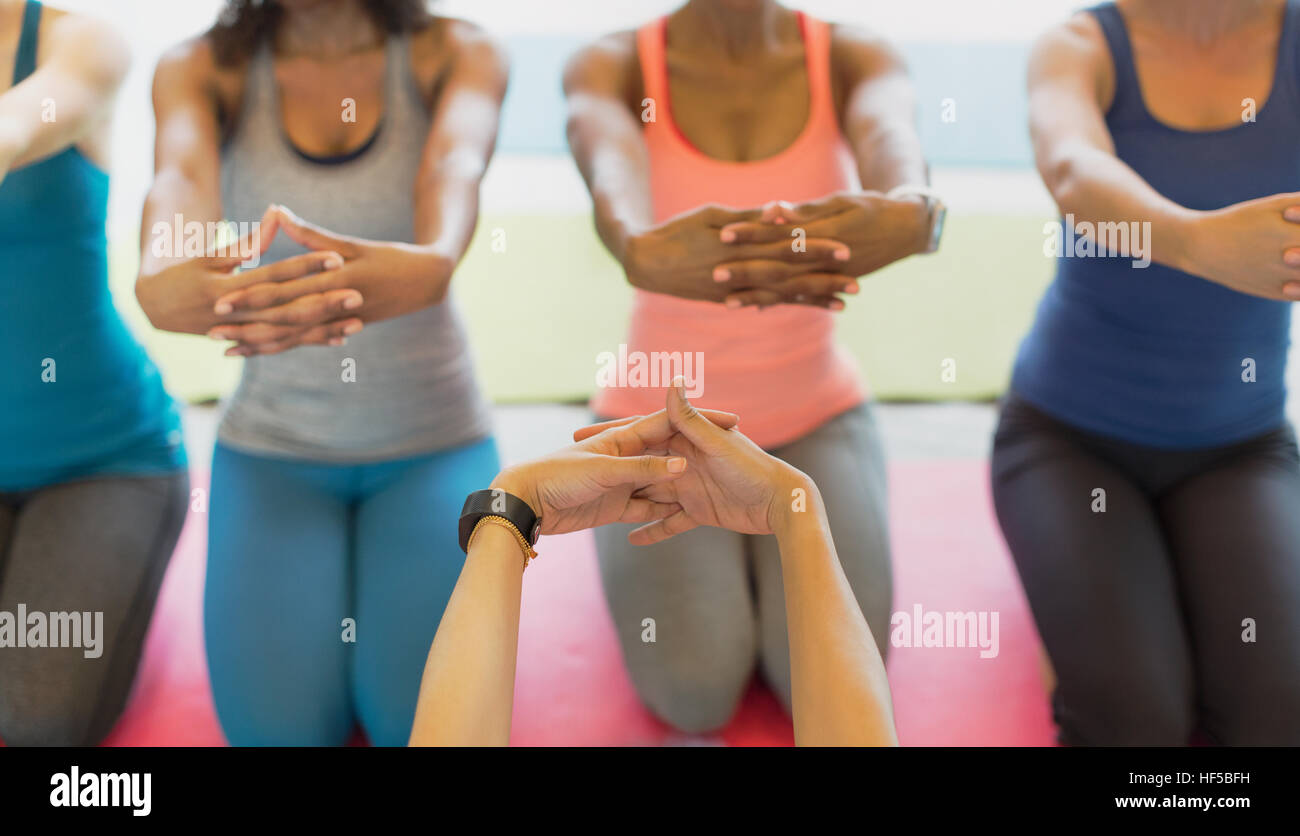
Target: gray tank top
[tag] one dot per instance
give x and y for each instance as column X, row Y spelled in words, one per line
column 399, row 388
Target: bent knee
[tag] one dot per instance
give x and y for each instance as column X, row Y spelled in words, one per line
column 62, row 720
column 1155, row 714
column 1265, row 714
column 695, row 698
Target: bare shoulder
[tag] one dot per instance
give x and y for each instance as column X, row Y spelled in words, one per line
column 609, row 65
column 194, row 58
column 448, row 43
column 857, row 52
column 1074, row 52
column 97, row 47
column 1077, row 42
column 191, row 66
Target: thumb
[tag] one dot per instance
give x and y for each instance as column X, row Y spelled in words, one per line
column 688, row 421
column 311, row 236
column 639, row 470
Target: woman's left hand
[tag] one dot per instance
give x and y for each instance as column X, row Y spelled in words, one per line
column 592, row 482
column 393, row 278
column 877, row 230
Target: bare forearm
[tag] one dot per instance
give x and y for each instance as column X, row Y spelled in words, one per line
column 68, row 97
column 175, row 197
column 174, row 200
column 1093, row 186
column 609, row 151
column 447, row 207
column 889, row 153
column 840, row 693
column 621, row 202
column 467, row 693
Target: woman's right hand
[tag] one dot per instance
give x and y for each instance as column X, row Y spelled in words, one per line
column 728, row 482
column 1252, row 247
column 181, row 296
column 681, row 257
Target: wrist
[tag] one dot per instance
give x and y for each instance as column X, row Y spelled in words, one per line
column 916, row 207
column 434, row 268
column 796, row 504
column 1179, row 231
column 10, row 147
column 918, row 221
column 516, row 482
column 630, row 255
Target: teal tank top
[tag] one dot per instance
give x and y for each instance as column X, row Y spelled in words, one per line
column 78, row 396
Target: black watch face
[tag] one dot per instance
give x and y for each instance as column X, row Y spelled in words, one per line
column 535, row 533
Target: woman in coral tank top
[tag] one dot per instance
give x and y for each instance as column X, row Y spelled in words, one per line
column 739, row 156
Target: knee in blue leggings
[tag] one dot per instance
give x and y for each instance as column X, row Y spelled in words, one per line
column 325, row 586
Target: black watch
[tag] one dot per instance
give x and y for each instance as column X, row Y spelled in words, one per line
column 497, row 503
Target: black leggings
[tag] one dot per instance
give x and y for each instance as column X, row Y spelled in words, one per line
column 1147, row 608
column 98, row 545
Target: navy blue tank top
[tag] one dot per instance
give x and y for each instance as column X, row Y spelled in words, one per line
column 1156, row 356
column 78, row 396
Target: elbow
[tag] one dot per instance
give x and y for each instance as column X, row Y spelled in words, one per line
column 147, row 299
column 1062, row 177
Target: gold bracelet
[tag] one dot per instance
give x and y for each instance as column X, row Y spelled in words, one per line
column 529, row 554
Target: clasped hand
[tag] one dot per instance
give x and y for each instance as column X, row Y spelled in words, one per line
column 778, row 254
column 321, row 297
column 671, row 471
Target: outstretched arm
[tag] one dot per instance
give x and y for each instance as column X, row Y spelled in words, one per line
column 461, row 140
column 1252, row 247
column 69, row 95
column 395, row 277
column 840, row 692
column 840, row 695
column 179, row 292
column 877, row 114
column 468, row 688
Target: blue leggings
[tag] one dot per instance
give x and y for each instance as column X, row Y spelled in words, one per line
column 297, row 549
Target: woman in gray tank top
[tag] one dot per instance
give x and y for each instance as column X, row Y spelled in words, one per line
column 357, row 428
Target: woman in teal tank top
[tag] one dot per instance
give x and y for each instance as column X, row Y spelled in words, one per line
column 93, row 485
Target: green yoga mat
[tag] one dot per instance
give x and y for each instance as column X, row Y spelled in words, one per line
column 541, row 308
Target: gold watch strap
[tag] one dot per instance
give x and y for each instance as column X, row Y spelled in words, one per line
column 529, row 554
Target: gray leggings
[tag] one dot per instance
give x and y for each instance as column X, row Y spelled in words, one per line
column 716, row 596
column 1144, row 607
column 98, row 545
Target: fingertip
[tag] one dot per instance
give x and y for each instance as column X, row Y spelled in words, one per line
column 721, row 274
column 333, row 261
column 676, row 464
column 222, row 307
column 728, row 236
column 842, row 254
column 734, row 302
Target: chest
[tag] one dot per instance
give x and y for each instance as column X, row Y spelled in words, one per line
column 740, row 114
column 1200, row 88
column 329, row 109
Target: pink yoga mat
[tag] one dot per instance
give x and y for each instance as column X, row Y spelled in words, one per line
column 572, row 689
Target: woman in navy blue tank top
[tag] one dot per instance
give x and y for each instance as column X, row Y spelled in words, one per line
column 93, row 487
column 1144, row 473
